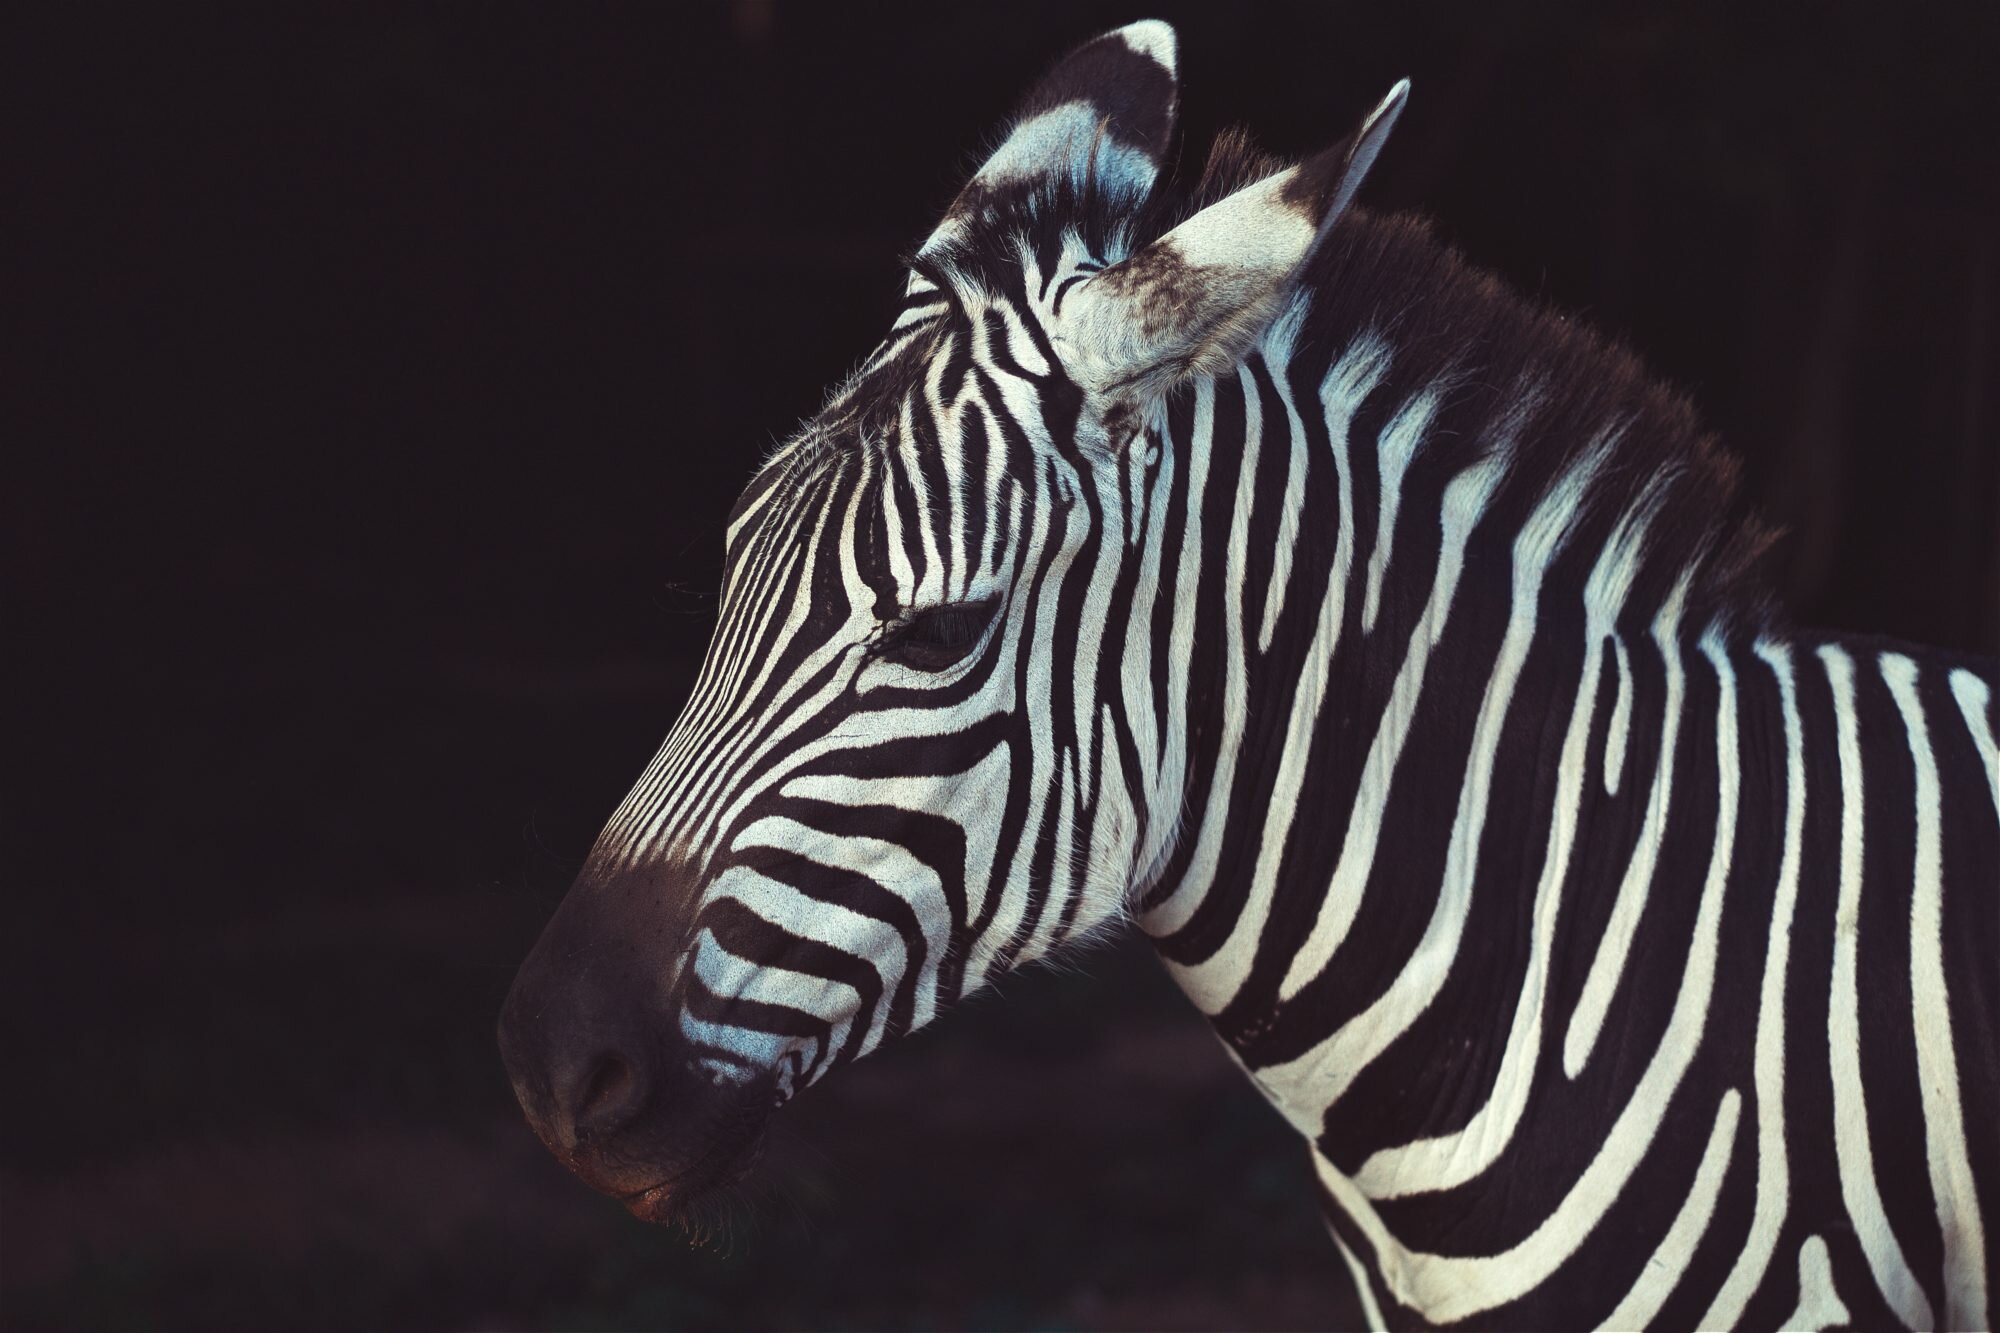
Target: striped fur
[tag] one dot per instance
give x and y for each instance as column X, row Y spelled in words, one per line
column 1391, row 652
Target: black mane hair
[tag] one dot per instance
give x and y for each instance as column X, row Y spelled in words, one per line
column 1447, row 323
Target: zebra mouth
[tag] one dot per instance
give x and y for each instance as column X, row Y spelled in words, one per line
column 659, row 1203
column 676, row 1199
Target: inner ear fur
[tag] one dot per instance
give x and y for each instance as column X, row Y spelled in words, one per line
column 1102, row 119
column 1194, row 301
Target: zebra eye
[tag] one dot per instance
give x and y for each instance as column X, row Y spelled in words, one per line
column 937, row 637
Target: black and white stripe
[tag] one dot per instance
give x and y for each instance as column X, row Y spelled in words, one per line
column 1387, row 649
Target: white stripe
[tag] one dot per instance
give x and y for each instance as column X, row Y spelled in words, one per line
column 1236, row 704
column 917, row 313
column 754, row 1047
column 931, row 588
column 1061, row 884
column 895, row 521
column 1937, row 1067
column 1037, row 643
column 1773, row 1166
column 1021, row 345
column 1819, row 1304
column 1179, row 906
column 1593, row 1002
column 1161, row 762
column 1277, row 352
column 1621, row 720
column 1112, row 855
column 1973, row 698
column 1670, row 1258
column 1854, row 1157
column 949, row 419
column 1464, row 503
column 1107, row 556
column 1399, row 444
column 1371, row 1311
column 876, row 942
column 757, row 506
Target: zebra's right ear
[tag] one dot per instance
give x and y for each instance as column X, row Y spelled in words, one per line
column 1101, row 120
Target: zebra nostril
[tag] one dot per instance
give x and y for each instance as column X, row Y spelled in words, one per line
column 607, row 1095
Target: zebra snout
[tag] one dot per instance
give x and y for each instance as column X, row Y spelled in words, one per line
column 584, row 1027
column 602, row 1087
column 590, row 1035
column 623, row 1106
column 581, row 1058
column 592, row 1097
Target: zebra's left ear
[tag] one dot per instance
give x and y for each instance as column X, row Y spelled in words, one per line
column 1100, row 120
column 1195, row 301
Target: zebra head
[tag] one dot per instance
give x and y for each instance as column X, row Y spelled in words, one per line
column 923, row 746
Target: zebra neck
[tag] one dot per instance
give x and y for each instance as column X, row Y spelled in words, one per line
column 1403, row 657
column 1365, row 538
column 1482, row 804
column 1505, row 811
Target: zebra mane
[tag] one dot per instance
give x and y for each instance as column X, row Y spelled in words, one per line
column 1504, row 365
column 1566, row 396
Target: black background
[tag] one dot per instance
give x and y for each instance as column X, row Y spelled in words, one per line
column 387, row 374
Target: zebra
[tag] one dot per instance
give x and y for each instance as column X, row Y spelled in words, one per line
column 1238, row 563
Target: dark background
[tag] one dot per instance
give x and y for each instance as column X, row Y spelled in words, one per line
column 387, row 374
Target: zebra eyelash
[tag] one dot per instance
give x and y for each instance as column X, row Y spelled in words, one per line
column 936, row 638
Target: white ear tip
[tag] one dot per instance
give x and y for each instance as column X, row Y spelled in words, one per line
column 1390, row 106
column 1154, row 39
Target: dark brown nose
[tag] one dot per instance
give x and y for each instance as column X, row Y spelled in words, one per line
column 582, row 1055
column 587, row 1032
column 591, row 1037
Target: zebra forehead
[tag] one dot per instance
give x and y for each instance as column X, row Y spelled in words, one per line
column 802, row 476
column 873, row 409
column 902, row 401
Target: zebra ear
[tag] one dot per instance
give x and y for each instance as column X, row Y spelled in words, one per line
column 1196, row 300
column 1100, row 119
